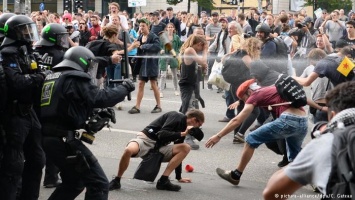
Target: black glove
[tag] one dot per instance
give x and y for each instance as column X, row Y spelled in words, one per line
column 46, row 72
column 129, row 85
column 38, row 78
column 108, row 113
column 196, row 133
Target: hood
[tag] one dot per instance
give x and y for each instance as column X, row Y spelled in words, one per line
column 263, row 74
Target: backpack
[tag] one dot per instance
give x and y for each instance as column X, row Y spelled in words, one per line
column 281, row 47
column 290, row 90
column 234, row 69
column 341, row 183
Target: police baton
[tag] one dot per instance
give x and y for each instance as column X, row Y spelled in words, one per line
column 124, row 61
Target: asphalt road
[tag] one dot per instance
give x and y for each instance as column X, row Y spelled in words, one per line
column 206, row 184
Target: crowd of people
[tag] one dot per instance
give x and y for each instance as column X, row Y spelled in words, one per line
column 56, row 71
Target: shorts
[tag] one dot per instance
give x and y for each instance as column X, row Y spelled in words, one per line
column 146, row 79
column 145, row 144
column 291, row 127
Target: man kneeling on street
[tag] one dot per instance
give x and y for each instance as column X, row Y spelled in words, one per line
column 170, row 127
column 291, row 124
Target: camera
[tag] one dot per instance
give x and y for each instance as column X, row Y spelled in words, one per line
column 301, row 25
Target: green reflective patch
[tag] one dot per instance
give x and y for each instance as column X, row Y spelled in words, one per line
column 52, row 39
column 47, row 91
column 6, row 28
column 46, row 29
column 83, row 61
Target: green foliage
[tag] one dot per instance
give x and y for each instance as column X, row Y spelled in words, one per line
column 331, row 5
column 207, row 4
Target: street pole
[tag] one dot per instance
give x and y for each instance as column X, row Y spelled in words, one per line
column 4, row 5
column 353, row 7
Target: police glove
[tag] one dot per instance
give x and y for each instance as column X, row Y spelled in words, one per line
column 38, row 78
column 129, row 85
column 46, row 72
column 108, row 113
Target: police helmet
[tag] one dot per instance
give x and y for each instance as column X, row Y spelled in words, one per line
column 79, row 58
column 3, row 18
column 54, row 34
column 20, row 28
column 263, row 28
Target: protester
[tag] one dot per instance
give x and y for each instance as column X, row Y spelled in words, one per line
column 315, row 163
column 170, row 127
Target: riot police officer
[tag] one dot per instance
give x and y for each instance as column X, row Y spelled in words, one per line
column 50, row 48
column 68, row 99
column 54, row 42
column 23, row 154
column 3, row 88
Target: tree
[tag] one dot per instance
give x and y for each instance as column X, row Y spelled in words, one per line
column 207, row 4
column 330, row 5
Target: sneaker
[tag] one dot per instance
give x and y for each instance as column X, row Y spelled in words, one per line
column 220, row 90
column 167, row 185
column 161, row 95
column 226, row 175
column 54, row 184
column 114, row 185
column 238, row 138
column 189, row 140
column 177, row 93
column 283, row 162
column 156, row 109
column 134, row 110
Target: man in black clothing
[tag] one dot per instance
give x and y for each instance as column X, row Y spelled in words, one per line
column 156, row 25
column 171, row 19
column 68, row 99
column 23, row 157
column 170, row 127
column 53, row 42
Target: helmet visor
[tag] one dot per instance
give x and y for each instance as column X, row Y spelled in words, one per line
column 92, row 70
column 62, row 40
column 27, row 32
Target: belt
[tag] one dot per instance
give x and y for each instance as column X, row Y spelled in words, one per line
column 56, row 132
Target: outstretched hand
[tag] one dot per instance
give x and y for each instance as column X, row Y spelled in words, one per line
column 212, row 141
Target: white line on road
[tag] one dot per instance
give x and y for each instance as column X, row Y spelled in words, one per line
column 120, row 130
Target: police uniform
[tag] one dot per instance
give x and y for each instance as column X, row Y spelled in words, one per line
column 68, row 99
column 23, row 154
column 50, row 49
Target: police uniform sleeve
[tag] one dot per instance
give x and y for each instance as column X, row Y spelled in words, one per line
column 17, row 79
column 100, row 98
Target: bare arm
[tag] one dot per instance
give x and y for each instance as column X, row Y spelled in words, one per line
column 232, row 124
column 307, row 81
column 280, row 186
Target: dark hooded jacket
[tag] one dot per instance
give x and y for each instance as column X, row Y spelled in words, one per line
column 263, row 74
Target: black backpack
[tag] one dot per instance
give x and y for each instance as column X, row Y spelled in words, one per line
column 234, row 69
column 341, row 184
column 290, row 90
column 281, row 47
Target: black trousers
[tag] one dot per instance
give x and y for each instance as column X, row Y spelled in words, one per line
column 73, row 180
column 186, row 92
column 23, row 158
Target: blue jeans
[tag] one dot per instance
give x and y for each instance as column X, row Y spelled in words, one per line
column 113, row 72
column 291, row 127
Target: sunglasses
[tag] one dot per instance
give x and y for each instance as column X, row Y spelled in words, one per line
column 65, row 18
column 82, row 23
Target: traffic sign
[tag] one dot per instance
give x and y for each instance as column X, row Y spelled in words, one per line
column 41, row 6
column 137, row 3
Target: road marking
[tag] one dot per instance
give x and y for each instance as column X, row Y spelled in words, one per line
column 120, row 130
